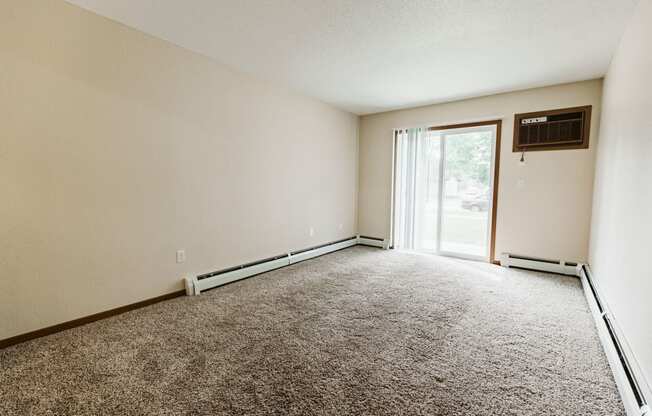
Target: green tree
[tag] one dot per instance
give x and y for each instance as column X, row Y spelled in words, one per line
column 468, row 157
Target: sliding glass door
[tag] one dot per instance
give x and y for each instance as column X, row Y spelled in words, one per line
column 443, row 189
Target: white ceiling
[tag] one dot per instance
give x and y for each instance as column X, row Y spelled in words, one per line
column 368, row 56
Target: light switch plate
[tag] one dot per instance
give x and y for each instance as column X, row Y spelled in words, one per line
column 181, row 256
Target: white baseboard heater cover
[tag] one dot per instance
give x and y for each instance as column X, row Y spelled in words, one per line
column 544, row 265
column 633, row 394
column 373, row 242
column 196, row 284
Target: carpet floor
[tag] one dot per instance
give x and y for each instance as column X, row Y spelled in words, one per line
column 358, row 332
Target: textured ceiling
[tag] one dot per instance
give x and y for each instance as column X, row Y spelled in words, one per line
column 368, row 56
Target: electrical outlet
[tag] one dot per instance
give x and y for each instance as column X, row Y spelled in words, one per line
column 181, row 256
column 312, row 231
column 341, row 227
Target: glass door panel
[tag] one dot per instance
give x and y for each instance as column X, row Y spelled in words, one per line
column 467, row 191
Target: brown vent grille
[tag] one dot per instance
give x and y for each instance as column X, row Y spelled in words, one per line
column 566, row 128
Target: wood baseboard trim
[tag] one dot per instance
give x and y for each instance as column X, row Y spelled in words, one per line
column 4, row 343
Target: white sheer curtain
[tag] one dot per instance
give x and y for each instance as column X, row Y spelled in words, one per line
column 416, row 193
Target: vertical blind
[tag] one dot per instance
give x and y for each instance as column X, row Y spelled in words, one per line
column 416, row 194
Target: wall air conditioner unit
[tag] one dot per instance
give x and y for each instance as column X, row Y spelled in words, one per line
column 538, row 264
column 561, row 129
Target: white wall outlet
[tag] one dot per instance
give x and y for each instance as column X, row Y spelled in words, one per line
column 520, row 184
column 312, row 231
column 341, row 226
column 181, row 256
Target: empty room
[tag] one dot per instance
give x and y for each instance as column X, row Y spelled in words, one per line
column 325, row 207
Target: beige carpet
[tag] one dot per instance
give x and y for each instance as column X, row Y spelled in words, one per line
column 358, row 332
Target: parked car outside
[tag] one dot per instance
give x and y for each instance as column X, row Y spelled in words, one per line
column 476, row 202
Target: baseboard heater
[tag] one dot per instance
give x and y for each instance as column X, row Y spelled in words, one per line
column 633, row 396
column 196, row 284
column 630, row 389
column 372, row 242
column 539, row 264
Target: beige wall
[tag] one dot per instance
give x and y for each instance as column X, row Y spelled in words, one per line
column 621, row 231
column 117, row 149
column 557, row 184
